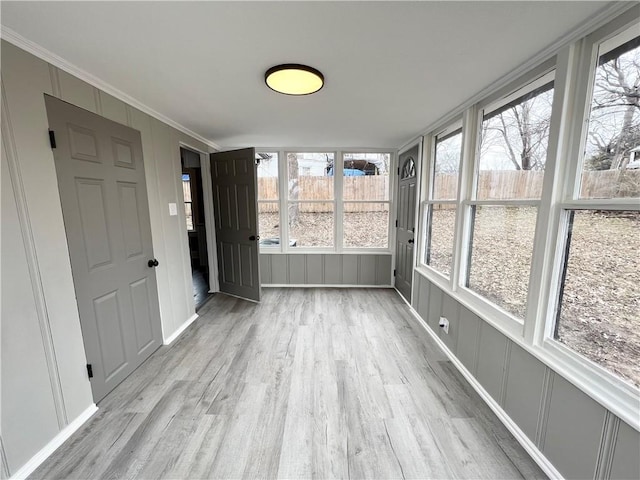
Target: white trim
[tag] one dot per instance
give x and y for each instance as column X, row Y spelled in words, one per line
column 169, row 340
column 587, row 27
column 322, row 285
column 506, row 420
column 39, row 51
column 35, row 461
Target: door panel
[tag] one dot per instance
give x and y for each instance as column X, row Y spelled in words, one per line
column 405, row 231
column 234, row 180
column 106, row 214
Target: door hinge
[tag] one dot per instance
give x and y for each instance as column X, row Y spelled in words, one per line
column 398, row 170
column 413, row 229
column 396, row 223
column 394, row 272
column 89, row 370
column 52, row 138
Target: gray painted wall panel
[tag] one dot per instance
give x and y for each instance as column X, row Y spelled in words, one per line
column 279, row 269
column 383, row 269
column 297, row 267
column 524, row 387
column 328, row 269
column 626, row 455
column 468, row 329
column 491, row 354
column 450, row 310
column 573, row 432
column 350, row 269
column 435, row 307
column 113, row 109
column 315, row 269
column 29, row 417
column 422, row 289
column 367, row 272
column 77, row 92
column 332, row 269
column 265, row 269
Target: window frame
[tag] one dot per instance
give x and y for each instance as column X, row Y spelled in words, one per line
column 271, row 248
column 618, row 395
column 340, row 247
column 429, row 181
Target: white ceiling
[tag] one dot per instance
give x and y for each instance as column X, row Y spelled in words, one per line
column 391, row 68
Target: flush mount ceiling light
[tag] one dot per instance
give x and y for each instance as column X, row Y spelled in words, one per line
column 294, row 79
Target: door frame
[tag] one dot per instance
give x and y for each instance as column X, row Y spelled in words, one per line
column 209, row 217
column 418, row 211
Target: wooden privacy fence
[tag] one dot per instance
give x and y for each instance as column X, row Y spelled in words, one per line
column 495, row 185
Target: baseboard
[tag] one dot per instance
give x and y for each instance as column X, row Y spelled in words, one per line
column 321, row 285
column 169, row 340
column 35, row 461
column 537, row 456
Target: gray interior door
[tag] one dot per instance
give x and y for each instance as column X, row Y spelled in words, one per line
column 405, row 231
column 234, row 180
column 106, row 215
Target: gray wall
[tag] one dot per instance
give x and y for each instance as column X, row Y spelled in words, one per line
column 580, row 437
column 44, row 384
column 325, row 269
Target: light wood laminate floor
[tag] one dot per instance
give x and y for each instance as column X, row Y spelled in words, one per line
column 311, row 383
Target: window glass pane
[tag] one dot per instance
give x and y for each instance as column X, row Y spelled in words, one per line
column 501, row 249
column 513, row 148
column 186, row 187
column 612, row 151
column 311, row 224
column 599, row 315
column 269, row 224
column 188, row 212
column 310, row 176
column 439, row 251
column 447, row 167
column 366, row 225
column 366, row 176
column 267, row 176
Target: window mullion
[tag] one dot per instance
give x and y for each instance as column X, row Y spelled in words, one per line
column 283, row 199
column 338, row 209
column 470, row 133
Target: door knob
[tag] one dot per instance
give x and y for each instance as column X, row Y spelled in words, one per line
column 153, row 263
column 253, row 238
column 410, row 240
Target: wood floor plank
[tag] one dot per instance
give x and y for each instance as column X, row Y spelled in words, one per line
column 309, row 384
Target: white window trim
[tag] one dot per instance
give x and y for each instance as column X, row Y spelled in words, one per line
column 283, row 202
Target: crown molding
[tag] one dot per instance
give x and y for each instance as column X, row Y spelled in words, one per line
column 42, row 53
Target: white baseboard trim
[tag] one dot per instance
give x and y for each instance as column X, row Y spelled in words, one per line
column 178, row 332
column 537, row 456
column 35, row 461
column 321, row 285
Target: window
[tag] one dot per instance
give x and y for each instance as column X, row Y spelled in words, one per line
column 188, row 201
column 310, row 199
column 365, row 197
column 441, row 207
column 508, row 186
column 268, row 199
column 598, row 301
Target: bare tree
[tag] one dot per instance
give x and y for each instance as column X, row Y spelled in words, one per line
column 521, row 131
column 294, row 188
column 614, row 123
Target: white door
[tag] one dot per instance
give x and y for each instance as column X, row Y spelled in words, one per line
column 106, row 214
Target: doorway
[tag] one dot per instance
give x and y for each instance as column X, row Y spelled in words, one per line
column 192, row 190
